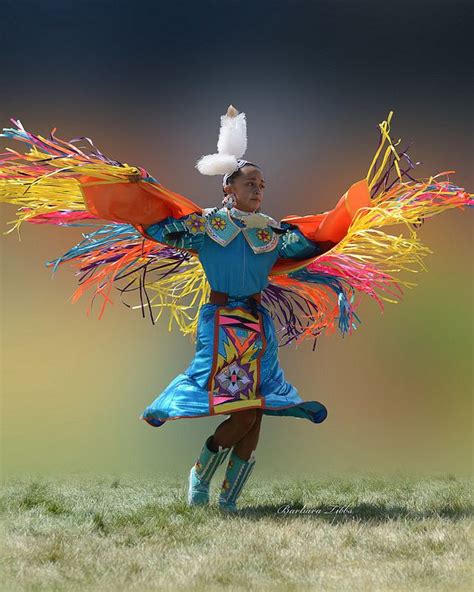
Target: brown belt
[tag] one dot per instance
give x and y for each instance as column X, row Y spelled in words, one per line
column 223, row 297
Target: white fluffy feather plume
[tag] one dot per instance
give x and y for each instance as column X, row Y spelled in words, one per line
column 233, row 135
column 231, row 145
column 217, row 164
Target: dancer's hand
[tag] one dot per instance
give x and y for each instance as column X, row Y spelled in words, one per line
column 292, row 238
column 135, row 177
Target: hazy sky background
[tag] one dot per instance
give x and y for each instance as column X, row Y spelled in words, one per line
column 148, row 82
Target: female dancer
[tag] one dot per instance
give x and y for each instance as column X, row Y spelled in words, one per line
column 238, row 269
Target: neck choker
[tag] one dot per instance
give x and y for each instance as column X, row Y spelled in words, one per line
column 240, row 213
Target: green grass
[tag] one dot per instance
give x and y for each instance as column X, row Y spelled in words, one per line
column 107, row 533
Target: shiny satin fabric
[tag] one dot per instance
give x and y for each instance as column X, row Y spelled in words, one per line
column 235, row 367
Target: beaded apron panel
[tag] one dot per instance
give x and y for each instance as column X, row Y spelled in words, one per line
column 239, row 343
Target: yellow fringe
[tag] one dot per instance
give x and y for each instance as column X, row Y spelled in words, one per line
column 385, row 134
column 55, row 190
column 389, row 253
column 182, row 294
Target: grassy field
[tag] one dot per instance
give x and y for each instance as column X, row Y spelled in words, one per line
column 363, row 532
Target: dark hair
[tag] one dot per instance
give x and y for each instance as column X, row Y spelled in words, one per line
column 238, row 173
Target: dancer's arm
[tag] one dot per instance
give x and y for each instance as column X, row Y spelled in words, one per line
column 186, row 232
column 294, row 245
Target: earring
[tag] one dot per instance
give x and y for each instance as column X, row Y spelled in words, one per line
column 229, row 201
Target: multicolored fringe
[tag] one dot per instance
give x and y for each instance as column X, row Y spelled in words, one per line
column 44, row 181
column 315, row 298
column 367, row 258
column 164, row 277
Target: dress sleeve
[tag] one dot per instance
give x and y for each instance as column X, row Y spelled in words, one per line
column 294, row 245
column 187, row 232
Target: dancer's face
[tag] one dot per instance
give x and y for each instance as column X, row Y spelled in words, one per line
column 248, row 188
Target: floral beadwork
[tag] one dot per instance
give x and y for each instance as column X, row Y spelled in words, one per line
column 263, row 235
column 218, row 223
column 195, row 223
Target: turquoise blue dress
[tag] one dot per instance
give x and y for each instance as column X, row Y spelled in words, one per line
column 236, row 364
